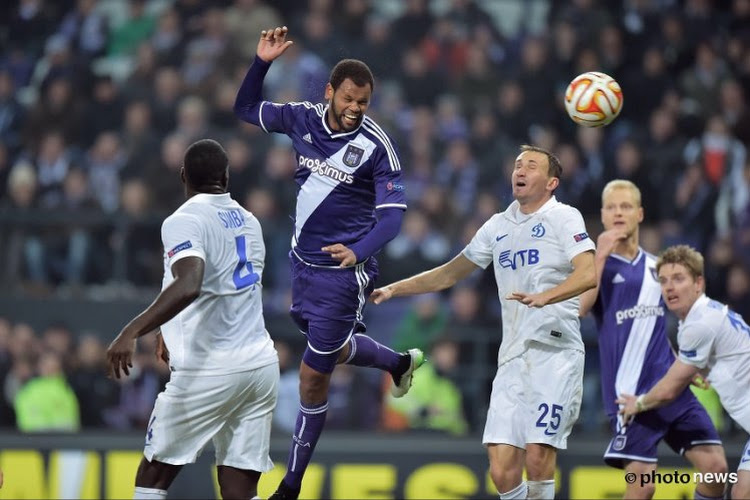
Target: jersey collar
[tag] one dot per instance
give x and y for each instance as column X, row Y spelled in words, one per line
column 698, row 304
column 331, row 133
column 207, row 198
column 514, row 210
column 633, row 262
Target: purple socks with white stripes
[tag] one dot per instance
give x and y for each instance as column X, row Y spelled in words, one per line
column 310, row 421
column 367, row 352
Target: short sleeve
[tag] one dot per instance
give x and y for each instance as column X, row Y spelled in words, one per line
column 182, row 237
column 479, row 249
column 695, row 343
column 390, row 191
column 575, row 239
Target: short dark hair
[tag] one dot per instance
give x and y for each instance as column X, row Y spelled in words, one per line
column 355, row 70
column 554, row 168
column 205, row 164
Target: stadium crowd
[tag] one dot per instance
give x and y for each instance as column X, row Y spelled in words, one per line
column 99, row 99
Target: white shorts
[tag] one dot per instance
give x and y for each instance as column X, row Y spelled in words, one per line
column 536, row 397
column 233, row 410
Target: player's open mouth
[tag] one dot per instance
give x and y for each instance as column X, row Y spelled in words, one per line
column 520, row 183
column 352, row 119
column 671, row 299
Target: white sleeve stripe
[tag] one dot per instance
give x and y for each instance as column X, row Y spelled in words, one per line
column 373, row 128
column 390, row 205
column 260, row 117
column 187, row 253
column 318, row 108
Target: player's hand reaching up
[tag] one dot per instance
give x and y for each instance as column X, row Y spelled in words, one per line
column 273, row 43
column 341, row 254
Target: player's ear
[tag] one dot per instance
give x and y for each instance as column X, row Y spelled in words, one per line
column 182, row 175
column 640, row 214
column 329, row 91
column 552, row 183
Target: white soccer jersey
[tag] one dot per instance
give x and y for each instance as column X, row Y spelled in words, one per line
column 717, row 340
column 532, row 253
column 223, row 330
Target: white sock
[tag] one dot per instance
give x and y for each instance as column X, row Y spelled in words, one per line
column 149, row 493
column 542, row 489
column 517, row 493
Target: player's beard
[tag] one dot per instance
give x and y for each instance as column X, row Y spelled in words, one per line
column 338, row 117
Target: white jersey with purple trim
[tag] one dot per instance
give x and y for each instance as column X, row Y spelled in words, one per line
column 717, row 340
column 223, row 330
column 532, row 253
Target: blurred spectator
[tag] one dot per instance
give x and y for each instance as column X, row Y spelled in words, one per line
column 137, row 27
column 424, row 320
column 245, row 19
column 165, row 98
column 86, row 29
column 287, row 404
column 58, row 110
column 11, row 113
column 134, row 238
column 47, row 403
column 105, row 110
column 94, row 390
column 434, row 401
column 104, row 162
column 413, row 24
column 206, row 53
column 419, row 246
column 167, row 40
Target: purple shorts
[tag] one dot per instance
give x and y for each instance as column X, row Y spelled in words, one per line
column 327, row 304
column 682, row 424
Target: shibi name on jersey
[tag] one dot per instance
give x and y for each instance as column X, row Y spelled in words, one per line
column 639, row 311
column 323, row 168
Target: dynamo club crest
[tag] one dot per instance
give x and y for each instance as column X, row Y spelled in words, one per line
column 353, row 156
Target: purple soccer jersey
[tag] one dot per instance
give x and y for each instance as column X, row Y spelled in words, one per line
column 633, row 346
column 342, row 178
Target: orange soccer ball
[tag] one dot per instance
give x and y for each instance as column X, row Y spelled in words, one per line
column 593, row 99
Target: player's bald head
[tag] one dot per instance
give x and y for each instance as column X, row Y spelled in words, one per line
column 206, row 164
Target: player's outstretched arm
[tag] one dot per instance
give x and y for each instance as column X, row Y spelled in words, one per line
column 605, row 245
column 273, row 43
column 186, row 287
column 666, row 390
column 434, row 280
column 581, row 279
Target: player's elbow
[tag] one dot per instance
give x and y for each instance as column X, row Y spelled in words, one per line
column 588, row 278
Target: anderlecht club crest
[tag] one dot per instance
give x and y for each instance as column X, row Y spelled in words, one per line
column 353, row 156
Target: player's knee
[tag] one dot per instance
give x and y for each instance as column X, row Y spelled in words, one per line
column 540, row 464
column 313, row 387
column 645, row 491
column 505, row 478
column 233, row 491
column 716, row 464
